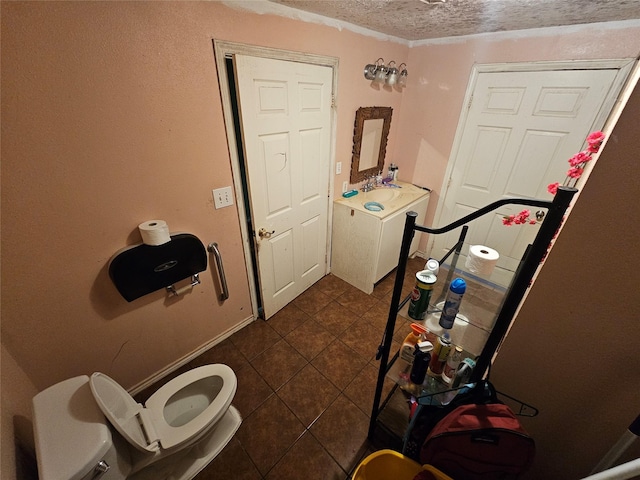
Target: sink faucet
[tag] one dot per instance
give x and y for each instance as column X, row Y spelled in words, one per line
column 369, row 183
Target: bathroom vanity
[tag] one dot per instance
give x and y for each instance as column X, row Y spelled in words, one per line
column 365, row 244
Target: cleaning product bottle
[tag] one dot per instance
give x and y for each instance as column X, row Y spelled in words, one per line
column 461, row 378
column 432, row 265
column 421, row 294
column 451, row 366
column 421, row 362
column 463, row 374
column 452, row 302
column 408, row 346
column 440, row 353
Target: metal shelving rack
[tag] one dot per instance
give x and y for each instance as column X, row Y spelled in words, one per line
column 533, row 256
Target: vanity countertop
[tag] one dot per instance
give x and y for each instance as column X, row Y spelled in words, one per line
column 392, row 199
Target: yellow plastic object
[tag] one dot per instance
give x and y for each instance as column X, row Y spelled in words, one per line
column 391, row 465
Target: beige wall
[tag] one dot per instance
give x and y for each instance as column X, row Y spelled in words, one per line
column 112, row 116
column 17, row 392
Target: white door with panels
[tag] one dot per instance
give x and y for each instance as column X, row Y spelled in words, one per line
column 285, row 110
column 520, row 130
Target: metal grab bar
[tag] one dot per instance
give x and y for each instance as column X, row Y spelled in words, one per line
column 213, row 248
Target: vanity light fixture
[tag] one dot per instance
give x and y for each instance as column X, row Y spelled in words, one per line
column 402, row 77
column 388, row 74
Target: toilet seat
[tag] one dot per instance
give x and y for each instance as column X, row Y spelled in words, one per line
column 146, row 426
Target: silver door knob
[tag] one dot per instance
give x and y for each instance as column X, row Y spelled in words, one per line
column 262, row 233
column 539, row 215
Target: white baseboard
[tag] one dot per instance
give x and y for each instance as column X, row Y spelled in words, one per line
column 187, row 358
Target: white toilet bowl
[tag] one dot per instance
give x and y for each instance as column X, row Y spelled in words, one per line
column 191, row 412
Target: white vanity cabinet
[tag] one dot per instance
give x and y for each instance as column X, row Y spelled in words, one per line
column 365, row 245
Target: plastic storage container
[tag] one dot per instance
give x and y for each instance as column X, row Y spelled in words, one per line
column 391, row 465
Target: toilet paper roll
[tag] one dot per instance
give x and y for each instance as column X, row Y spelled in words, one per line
column 154, row 232
column 481, row 260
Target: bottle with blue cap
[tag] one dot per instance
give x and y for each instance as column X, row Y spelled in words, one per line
column 452, row 303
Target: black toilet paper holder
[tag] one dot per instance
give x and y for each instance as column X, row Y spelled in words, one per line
column 142, row 269
column 173, row 292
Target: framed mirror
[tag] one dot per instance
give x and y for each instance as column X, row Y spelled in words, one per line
column 370, row 134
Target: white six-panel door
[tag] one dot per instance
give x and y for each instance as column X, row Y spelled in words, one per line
column 520, row 130
column 285, row 112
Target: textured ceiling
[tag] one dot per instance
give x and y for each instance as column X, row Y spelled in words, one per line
column 416, row 20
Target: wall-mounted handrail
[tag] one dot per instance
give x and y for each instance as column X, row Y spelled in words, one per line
column 213, row 248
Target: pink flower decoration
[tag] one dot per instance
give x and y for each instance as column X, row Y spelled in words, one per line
column 508, row 220
column 577, row 162
column 594, row 140
column 575, row 172
column 578, row 158
column 595, row 137
column 524, row 214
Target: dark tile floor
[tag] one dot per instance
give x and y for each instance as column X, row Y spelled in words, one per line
column 306, row 381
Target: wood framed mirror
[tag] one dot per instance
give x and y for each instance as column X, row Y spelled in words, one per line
column 370, row 134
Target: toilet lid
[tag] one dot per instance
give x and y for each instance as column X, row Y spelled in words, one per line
column 127, row 416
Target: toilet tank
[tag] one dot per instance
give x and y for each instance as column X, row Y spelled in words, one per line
column 72, row 436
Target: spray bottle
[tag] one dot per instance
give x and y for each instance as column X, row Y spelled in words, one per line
column 452, row 303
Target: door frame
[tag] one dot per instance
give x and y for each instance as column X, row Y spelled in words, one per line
column 223, row 50
column 623, row 65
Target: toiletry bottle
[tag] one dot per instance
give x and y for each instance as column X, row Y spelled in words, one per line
column 432, row 265
column 451, row 366
column 392, row 167
column 408, row 346
column 421, row 362
column 463, row 374
column 452, row 303
column 421, row 294
column 440, row 353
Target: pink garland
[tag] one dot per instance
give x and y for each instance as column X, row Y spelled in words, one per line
column 577, row 164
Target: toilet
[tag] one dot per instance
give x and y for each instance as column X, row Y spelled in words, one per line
column 91, row 428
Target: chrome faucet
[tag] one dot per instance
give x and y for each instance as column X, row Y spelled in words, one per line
column 369, row 184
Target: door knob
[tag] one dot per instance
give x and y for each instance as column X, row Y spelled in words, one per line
column 265, row 234
column 539, row 215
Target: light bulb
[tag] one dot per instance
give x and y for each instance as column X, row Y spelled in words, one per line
column 381, row 74
column 403, row 78
column 392, row 76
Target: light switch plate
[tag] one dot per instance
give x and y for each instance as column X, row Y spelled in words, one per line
column 222, row 197
column 338, row 168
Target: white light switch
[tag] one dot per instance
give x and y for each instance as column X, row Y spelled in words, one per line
column 222, row 197
column 338, row 168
